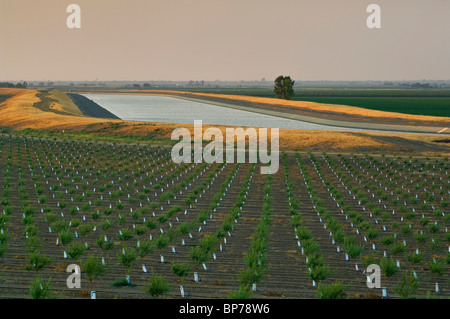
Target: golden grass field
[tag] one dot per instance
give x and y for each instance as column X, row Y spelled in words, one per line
column 19, row 113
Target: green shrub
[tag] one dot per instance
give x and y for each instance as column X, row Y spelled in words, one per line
column 296, row 221
column 36, row 261
column 388, row 267
column 127, row 257
column 75, row 222
column 150, row 224
column 85, row 229
column 354, row 250
column 181, row 270
column 387, row 240
column 406, row 229
column 243, row 292
column 140, row 230
column 198, row 255
column 334, row 290
column 424, row 221
column 75, row 250
column 95, row 215
column 373, row 233
column 304, row 233
column 320, row 273
column 65, row 237
column 104, row 244
column 51, row 218
column 162, row 241
column 59, row 226
column 93, row 268
column 157, row 286
column 106, row 224
column 437, row 268
column 407, row 285
column 40, row 289
column 433, row 228
column 398, row 248
column 420, row 237
column 310, row 247
column 145, row 247
column 122, row 282
column 415, row 258
column 125, row 234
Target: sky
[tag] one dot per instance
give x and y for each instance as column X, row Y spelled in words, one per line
column 228, row 40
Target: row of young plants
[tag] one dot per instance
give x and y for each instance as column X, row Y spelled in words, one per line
column 352, row 249
column 36, row 260
column 409, row 215
column 163, row 240
column 388, row 265
column 129, row 257
column 142, row 196
column 7, row 208
column 255, row 260
column 205, row 248
column 182, row 270
column 317, row 269
column 436, row 267
column 75, row 249
column 39, row 288
column 73, row 176
column 140, row 228
column 416, row 182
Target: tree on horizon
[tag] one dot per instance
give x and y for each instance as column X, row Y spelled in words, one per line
column 284, row 87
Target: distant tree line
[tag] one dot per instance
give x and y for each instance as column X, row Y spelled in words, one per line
column 19, row 85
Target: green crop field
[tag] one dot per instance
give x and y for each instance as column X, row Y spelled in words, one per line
column 435, row 106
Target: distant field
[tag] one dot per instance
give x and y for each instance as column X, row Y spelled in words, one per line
column 435, row 102
column 434, row 106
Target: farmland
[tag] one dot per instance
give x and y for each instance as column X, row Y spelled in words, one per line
column 434, row 106
column 433, row 102
column 218, row 230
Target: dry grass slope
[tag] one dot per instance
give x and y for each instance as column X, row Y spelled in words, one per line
column 18, row 112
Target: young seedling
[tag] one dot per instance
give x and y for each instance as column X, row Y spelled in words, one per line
column 127, row 257
column 36, row 262
column 40, row 289
column 407, row 285
column 93, row 268
column 157, row 286
column 388, row 267
column 334, row 290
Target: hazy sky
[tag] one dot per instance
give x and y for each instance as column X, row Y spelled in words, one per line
column 224, row 39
